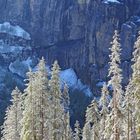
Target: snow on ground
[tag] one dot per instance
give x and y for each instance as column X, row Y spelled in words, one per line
column 111, row 1
column 6, row 27
column 69, row 77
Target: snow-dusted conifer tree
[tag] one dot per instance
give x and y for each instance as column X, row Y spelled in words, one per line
column 104, row 111
column 77, row 131
column 93, row 117
column 42, row 100
column 130, row 129
column 92, row 112
column 136, row 83
column 116, row 79
column 65, row 98
column 108, row 127
column 86, row 135
column 28, row 131
column 11, row 126
column 67, row 134
column 56, row 114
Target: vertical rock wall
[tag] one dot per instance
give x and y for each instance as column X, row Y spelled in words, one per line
column 77, row 32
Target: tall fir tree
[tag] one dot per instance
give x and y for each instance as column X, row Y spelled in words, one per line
column 86, row 132
column 136, row 83
column 42, row 96
column 116, row 79
column 108, row 127
column 86, row 135
column 104, row 101
column 56, row 122
column 92, row 118
column 130, row 129
column 67, row 132
column 28, row 131
column 77, row 131
column 11, row 126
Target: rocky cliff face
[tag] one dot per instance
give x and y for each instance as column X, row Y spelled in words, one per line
column 77, row 32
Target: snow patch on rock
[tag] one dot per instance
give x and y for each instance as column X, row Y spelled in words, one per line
column 69, row 77
column 111, row 1
column 10, row 49
column 6, row 27
column 20, row 67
